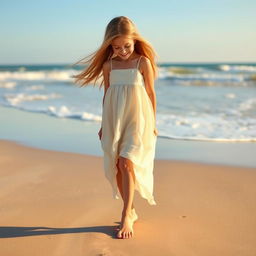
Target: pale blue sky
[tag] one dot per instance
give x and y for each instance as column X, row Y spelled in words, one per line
column 181, row 31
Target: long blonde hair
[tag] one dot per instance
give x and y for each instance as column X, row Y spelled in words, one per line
column 118, row 26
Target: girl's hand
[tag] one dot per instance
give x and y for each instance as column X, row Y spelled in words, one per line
column 155, row 131
column 100, row 133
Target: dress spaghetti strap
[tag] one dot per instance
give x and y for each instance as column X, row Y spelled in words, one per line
column 138, row 62
column 136, row 67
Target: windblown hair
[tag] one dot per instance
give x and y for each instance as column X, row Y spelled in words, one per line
column 118, row 26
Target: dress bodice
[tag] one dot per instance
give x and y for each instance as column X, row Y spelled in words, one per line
column 128, row 76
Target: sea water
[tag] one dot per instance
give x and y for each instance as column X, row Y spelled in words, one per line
column 204, row 102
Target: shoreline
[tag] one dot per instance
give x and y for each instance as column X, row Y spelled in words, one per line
column 67, row 135
column 60, row 203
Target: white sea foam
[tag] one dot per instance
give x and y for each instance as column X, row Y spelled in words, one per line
column 35, row 87
column 248, row 104
column 7, row 85
column 236, row 68
column 64, row 111
column 230, row 95
column 207, row 127
column 53, row 75
column 15, row 99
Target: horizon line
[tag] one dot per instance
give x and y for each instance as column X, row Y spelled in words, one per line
column 158, row 63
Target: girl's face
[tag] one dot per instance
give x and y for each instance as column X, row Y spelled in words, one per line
column 123, row 47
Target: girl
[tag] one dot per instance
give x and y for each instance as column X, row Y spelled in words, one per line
column 128, row 132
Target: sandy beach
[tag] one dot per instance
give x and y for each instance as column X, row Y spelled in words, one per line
column 59, row 203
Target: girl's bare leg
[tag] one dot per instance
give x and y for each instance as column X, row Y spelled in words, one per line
column 127, row 187
column 120, row 183
column 120, row 187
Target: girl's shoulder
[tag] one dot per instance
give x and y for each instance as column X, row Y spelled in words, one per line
column 144, row 59
column 145, row 64
column 106, row 66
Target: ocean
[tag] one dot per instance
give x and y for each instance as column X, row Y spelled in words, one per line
column 200, row 102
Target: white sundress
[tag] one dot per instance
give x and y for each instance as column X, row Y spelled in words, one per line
column 128, row 129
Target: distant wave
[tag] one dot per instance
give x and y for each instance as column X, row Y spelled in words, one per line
column 237, row 68
column 224, row 74
column 208, row 75
column 60, row 75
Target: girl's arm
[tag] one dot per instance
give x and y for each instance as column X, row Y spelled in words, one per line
column 148, row 75
column 105, row 69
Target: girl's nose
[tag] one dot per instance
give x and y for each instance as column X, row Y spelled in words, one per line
column 123, row 50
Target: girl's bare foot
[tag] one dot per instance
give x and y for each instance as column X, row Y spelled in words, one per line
column 134, row 217
column 126, row 229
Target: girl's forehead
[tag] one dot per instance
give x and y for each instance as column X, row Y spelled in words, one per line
column 121, row 40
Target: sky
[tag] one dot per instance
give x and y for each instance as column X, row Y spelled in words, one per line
column 60, row 32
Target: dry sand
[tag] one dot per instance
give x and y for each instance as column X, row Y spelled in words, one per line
column 56, row 203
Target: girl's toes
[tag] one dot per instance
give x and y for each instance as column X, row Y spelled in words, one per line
column 119, row 234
